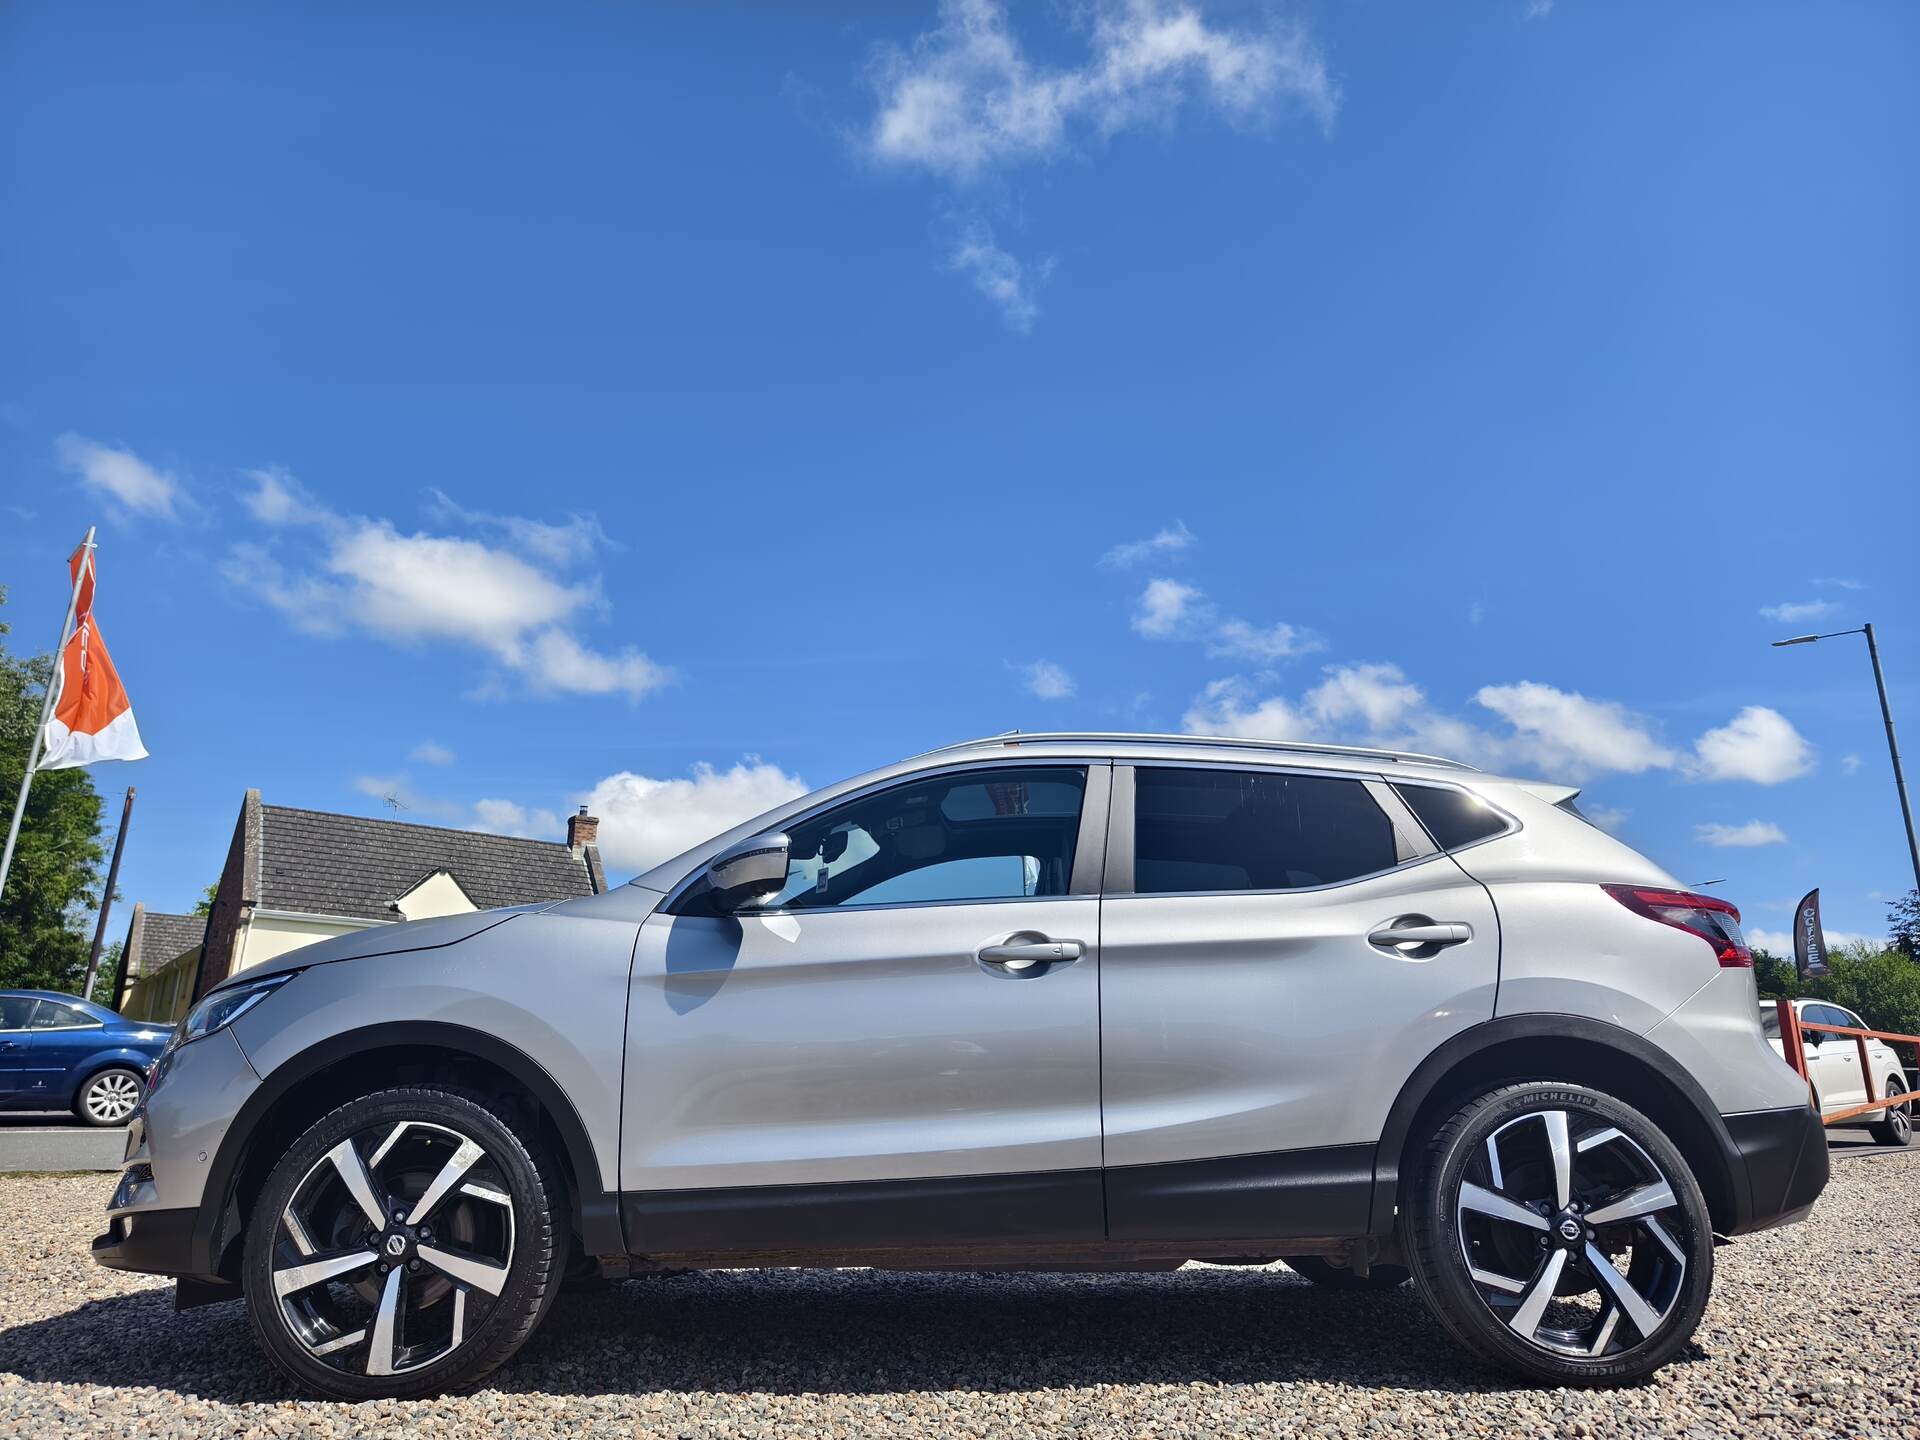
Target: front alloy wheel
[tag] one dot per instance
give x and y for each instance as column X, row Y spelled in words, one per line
column 1560, row 1234
column 110, row 1098
column 404, row 1245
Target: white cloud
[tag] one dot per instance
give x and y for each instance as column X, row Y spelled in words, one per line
column 645, row 820
column 504, row 817
column 1791, row 612
column 1539, row 9
column 430, row 752
column 1168, row 540
column 1849, row 764
column 1840, row 583
column 965, row 98
column 1248, row 642
column 997, row 274
column 1547, row 730
column 1166, row 609
column 1608, row 817
column 1779, row 943
column 1567, row 733
column 1048, row 681
column 1758, row 744
column 1754, row 832
column 368, row 576
column 567, row 543
column 119, row 476
column 1173, row 610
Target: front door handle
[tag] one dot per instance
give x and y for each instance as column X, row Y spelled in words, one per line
column 1023, row 952
column 1416, row 935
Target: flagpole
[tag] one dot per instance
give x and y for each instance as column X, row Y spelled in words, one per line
column 46, row 711
column 106, row 905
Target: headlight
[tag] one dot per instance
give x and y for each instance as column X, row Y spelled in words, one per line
column 225, row 1006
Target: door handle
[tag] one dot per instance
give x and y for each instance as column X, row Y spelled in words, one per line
column 1018, row 953
column 1418, row 934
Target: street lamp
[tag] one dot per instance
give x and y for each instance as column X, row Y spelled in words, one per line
column 1886, row 714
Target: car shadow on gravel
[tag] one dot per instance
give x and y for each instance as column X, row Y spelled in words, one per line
column 789, row 1332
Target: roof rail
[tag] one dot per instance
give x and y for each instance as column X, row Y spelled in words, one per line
column 1296, row 747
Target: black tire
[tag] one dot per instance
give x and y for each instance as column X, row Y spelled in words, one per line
column 1897, row 1128
column 110, row 1097
column 1540, row 1305
column 1325, row 1273
column 514, row 1192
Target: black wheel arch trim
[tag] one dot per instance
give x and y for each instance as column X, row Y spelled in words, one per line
column 599, row 1208
column 1425, row 1081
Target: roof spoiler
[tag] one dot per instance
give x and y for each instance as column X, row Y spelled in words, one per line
column 1552, row 794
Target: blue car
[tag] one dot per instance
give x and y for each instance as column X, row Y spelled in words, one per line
column 59, row 1052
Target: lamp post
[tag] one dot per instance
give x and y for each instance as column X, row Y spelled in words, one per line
column 1886, row 714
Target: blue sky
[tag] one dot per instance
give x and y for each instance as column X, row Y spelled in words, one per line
column 671, row 405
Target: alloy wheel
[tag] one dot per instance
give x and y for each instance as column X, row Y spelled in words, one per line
column 1568, row 1229
column 393, row 1248
column 111, row 1097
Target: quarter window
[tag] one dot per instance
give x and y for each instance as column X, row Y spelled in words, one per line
column 1201, row 830
column 999, row 834
column 1453, row 817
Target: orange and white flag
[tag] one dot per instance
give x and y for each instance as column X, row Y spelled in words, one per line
column 92, row 718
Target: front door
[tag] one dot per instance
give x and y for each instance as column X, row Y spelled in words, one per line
column 902, row 1047
column 1279, row 951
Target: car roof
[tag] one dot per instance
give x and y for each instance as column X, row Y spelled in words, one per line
column 60, row 995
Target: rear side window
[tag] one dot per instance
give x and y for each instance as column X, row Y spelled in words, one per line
column 52, row 1016
column 1200, row 830
column 1453, row 817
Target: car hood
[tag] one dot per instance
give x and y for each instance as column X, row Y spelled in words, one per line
column 395, row 939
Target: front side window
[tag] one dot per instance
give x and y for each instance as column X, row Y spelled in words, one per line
column 14, row 1011
column 1204, row 830
column 998, row 834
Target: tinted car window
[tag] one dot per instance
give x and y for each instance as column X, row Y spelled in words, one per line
column 1245, row 830
column 14, row 1011
column 1453, row 817
column 1770, row 1023
column 997, row 834
column 53, row 1016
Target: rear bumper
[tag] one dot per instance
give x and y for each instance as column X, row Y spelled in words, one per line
column 1784, row 1154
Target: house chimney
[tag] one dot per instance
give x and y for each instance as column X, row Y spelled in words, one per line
column 582, row 830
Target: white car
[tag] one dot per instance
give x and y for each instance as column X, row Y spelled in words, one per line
column 1833, row 1068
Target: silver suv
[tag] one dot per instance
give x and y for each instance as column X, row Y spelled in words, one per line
column 1034, row 1001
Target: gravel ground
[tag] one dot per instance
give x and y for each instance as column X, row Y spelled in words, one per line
column 1789, row 1347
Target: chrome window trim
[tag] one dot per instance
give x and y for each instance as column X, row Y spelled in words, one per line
column 955, row 767
column 1364, row 778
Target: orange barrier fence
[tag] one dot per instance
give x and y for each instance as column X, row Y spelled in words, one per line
column 1791, row 1029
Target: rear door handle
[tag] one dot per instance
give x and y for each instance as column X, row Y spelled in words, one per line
column 1018, row 953
column 1414, row 936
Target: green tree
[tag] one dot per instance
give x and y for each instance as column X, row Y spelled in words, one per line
column 1903, row 921
column 204, row 905
column 43, row 939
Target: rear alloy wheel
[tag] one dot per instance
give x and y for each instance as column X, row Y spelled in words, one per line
column 1557, row 1232
column 110, row 1098
column 1897, row 1128
column 405, row 1245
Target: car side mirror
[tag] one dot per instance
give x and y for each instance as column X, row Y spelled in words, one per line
column 748, row 870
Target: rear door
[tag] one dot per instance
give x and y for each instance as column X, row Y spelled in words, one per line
column 1835, row 1062
column 901, row 1049
column 1279, row 950
column 62, row 1036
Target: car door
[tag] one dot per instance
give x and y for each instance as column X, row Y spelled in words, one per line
column 16, row 1013
column 1835, row 1062
column 1279, row 950
column 902, row 1047
column 60, row 1038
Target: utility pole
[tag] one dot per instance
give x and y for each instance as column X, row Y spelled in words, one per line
column 106, row 902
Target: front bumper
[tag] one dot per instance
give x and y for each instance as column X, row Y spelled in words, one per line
column 152, row 1242
column 1784, row 1155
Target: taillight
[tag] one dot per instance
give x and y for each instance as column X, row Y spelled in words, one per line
column 1708, row 916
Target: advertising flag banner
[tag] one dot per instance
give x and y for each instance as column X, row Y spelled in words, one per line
column 1809, row 941
column 92, row 719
